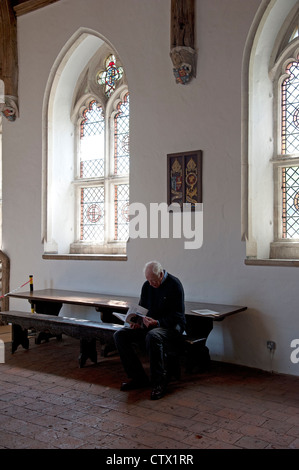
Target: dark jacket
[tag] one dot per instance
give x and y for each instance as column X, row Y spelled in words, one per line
column 165, row 303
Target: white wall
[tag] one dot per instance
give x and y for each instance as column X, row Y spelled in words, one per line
column 165, row 118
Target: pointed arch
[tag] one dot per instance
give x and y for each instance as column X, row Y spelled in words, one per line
column 70, row 88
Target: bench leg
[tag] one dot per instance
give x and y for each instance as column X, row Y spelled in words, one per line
column 198, row 356
column 43, row 336
column 47, row 308
column 19, row 337
column 88, row 350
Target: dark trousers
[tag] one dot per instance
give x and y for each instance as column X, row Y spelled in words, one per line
column 158, row 342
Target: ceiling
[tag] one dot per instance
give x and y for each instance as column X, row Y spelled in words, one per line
column 21, row 7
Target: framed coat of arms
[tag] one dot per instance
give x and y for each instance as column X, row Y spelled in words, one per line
column 184, row 178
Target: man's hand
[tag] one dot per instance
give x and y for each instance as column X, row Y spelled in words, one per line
column 150, row 322
column 135, row 326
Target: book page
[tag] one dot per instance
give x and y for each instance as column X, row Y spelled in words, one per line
column 137, row 310
column 120, row 316
column 205, row 312
column 133, row 312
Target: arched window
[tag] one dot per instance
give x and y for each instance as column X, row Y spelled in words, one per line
column 88, row 159
column 270, row 200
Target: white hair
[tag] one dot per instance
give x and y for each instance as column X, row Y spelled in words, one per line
column 154, row 266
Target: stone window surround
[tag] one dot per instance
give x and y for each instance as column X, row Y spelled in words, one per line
column 264, row 251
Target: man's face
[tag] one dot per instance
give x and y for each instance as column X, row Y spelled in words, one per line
column 153, row 279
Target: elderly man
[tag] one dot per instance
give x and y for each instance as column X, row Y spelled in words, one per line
column 163, row 295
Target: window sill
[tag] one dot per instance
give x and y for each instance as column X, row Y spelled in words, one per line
column 85, row 257
column 272, row 262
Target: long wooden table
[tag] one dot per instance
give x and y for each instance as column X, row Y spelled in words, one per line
column 55, row 298
column 50, row 302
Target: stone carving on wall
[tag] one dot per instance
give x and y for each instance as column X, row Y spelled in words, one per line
column 184, row 63
column 9, row 109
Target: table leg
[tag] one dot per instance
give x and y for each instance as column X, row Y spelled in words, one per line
column 197, row 356
column 19, row 337
column 88, row 350
column 197, row 353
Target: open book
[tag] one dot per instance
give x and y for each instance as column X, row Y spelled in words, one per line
column 133, row 315
column 205, row 313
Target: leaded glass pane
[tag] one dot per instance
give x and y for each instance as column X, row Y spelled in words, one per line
column 92, row 214
column 109, row 77
column 290, row 111
column 121, row 210
column 290, row 202
column 92, row 142
column 121, row 138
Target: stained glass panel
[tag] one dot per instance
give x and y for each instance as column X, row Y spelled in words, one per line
column 95, row 159
column 290, row 202
column 121, row 212
column 92, row 142
column 290, row 111
column 290, row 145
column 92, row 214
column 109, row 77
column 121, row 138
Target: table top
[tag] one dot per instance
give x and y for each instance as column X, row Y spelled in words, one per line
column 77, row 298
column 122, row 302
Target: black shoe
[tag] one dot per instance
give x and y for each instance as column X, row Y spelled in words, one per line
column 158, row 392
column 134, row 385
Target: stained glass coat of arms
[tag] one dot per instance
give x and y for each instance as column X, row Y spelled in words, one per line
column 110, row 76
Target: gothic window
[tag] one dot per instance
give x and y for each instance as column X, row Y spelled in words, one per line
column 87, row 159
column 270, row 169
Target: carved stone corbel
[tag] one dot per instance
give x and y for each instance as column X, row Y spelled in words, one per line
column 9, row 109
column 184, row 63
column 182, row 52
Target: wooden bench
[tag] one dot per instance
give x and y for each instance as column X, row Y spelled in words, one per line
column 86, row 331
column 48, row 302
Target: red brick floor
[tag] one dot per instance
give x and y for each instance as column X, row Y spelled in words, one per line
column 48, row 402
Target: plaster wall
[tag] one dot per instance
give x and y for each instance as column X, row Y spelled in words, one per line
column 165, row 118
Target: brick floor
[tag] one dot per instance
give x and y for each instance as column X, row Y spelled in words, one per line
column 48, row 402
